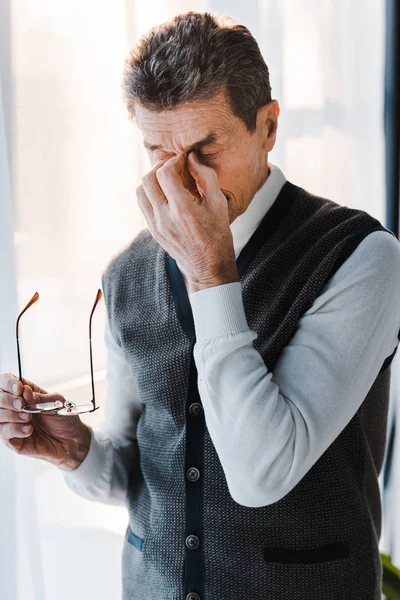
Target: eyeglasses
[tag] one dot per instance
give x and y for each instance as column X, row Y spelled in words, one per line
column 66, row 408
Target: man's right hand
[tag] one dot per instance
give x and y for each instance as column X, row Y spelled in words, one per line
column 62, row 441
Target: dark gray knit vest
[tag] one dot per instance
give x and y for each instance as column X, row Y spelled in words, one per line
column 187, row 538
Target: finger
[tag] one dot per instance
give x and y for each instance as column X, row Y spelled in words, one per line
column 179, row 169
column 12, row 430
column 189, row 181
column 9, row 380
column 12, row 416
column 11, row 402
column 27, row 394
column 205, row 177
column 40, row 398
column 170, row 178
column 152, row 188
column 34, row 386
column 10, row 383
column 146, row 207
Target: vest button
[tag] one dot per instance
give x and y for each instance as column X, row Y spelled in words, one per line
column 195, row 409
column 192, row 542
column 193, row 474
column 192, row 596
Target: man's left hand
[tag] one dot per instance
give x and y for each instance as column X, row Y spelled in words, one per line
column 187, row 214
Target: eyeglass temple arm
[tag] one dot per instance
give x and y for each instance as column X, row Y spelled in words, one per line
column 34, row 298
column 98, row 296
column 31, row 301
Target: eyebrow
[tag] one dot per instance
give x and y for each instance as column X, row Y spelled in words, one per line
column 211, row 138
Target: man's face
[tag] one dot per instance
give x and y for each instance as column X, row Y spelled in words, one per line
column 239, row 158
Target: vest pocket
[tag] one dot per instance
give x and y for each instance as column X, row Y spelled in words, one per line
column 324, row 573
column 334, row 551
column 134, row 540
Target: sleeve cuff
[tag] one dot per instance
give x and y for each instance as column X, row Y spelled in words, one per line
column 93, row 464
column 218, row 311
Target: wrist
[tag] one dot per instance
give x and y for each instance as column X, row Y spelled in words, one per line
column 228, row 275
column 77, row 449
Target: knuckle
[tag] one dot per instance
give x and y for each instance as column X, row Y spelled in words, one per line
column 157, row 166
column 5, row 400
column 5, row 379
column 15, row 430
column 7, row 431
column 162, row 172
column 37, row 398
column 12, row 416
column 7, row 416
column 10, row 430
column 146, row 178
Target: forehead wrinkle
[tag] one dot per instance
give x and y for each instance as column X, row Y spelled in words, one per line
column 210, row 138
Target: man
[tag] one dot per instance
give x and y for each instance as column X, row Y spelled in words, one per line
column 250, row 333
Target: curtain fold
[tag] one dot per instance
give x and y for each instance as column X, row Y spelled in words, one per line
column 8, row 302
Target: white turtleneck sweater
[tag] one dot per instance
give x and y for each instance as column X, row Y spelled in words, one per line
column 267, row 428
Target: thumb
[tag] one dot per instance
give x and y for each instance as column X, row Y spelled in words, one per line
column 204, row 176
column 39, row 397
column 35, row 388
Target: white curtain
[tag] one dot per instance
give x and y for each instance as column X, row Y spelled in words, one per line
column 69, row 164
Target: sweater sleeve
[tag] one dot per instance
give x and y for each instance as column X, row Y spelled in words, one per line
column 270, row 428
column 104, row 473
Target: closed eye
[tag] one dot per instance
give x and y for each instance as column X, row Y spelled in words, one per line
column 207, row 156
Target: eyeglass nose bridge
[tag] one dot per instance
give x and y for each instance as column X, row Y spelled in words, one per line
column 42, row 407
column 58, row 408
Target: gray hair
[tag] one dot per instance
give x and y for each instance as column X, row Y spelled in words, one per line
column 194, row 56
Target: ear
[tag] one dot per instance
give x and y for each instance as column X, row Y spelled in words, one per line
column 270, row 124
